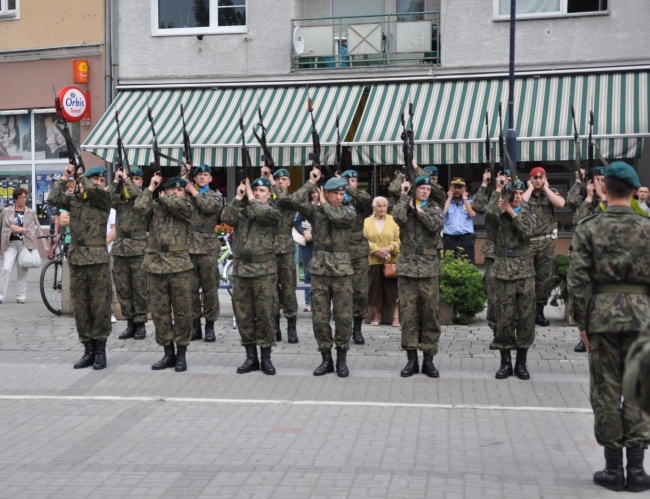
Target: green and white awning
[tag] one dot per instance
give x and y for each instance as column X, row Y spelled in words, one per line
column 212, row 120
column 449, row 118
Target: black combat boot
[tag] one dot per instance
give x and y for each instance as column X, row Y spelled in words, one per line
column 197, row 334
column 266, row 364
column 612, row 476
column 327, row 366
column 100, row 355
column 520, row 364
column 140, row 331
column 168, row 360
column 637, row 479
column 428, row 368
column 278, row 331
column 129, row 332
column 88, row 358
column 493, row 345
column 540, row 320
column 209, row 332
column 506, row 365
column 292, row 334
column 412, row 366
column 251, row 363
column 357, row 337
column 181, row 363
column 580, row 347
column 342, row 370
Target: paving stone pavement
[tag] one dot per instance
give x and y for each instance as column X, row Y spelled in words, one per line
column 128, row 431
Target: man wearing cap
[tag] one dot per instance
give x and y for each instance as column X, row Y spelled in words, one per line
column 169, row 268
column 359, row 250
column 331, row 268
column 609, row 280
column 458, row 234
column 418, row 275
column 128, row 253
column 204, row 251
column 254, row 274
column 542, row 200
column 90, row 281
column 514, row 277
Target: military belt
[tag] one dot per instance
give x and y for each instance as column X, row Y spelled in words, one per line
column 197, row 228
column 627, row 289
column 420, row 250
column 125, row 234
column 258, row 258
column 88, row 242
column 331, row 248
column 358, row 233
column 284, row 232
column 541, row 238
column 167, row 248
column 511, row 253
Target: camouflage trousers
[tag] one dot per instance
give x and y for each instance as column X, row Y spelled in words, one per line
column 327, row 294
column 287, row 281
column 543, row 253
column 617, row 423
column 90, row 290
column 488, row 282
column 255, row 302
column 205, row 276
column 419, row 301
column 131, row 287
column 170, row 300
column 515, row 303
column 360, row 283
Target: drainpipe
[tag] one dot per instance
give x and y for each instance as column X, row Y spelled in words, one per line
column 108, row 79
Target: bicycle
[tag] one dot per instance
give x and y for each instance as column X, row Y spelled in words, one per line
column 225, row 267
column 51, row 280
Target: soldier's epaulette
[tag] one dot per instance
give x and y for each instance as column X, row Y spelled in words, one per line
column 588, row 218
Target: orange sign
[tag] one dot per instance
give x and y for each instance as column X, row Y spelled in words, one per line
column 80, row 71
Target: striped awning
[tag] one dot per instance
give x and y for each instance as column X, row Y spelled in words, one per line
column 449, row 118
column 212, row 120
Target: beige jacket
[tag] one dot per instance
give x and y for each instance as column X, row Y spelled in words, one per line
column 30, row 222
column 389, row 236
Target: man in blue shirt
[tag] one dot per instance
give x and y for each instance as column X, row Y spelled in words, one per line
column 458, row 234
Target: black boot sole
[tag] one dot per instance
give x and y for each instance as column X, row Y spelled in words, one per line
column 328, row 371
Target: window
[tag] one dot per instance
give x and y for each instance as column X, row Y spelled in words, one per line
column 406, row 6
column 9, row 9
column 530, row 9
column 198, row 17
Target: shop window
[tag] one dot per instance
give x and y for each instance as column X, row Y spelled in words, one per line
column 15, row 137
column 532, row 9
column 198, row 17
column 49, row 142
column 12, row 177
column 9, row 9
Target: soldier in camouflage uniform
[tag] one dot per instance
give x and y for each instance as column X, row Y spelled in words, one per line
column 128, row 254
column 609, row 279
column 438, row 194
column 204, row 251
column 636, row 381
column 90, row 280
column 255, row 278
column 418, row 275
column 542, row 201
column 169, row 268
column 359, row 251
column 515, row 277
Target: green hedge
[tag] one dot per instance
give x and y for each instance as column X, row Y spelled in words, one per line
column 461, row 286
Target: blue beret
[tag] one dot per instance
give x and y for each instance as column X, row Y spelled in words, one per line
column 96, row 171
column 261, row 182
column 281, row 172
column 623, row 172
column 518, row 186
column 136, row 172
column 423, row 180
column 431, row 170
column 336, row 184
column 598, row 170
column 175, row 183
column 350, row 174
column 202, row 169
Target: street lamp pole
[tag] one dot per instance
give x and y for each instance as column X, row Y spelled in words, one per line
column 511, row 135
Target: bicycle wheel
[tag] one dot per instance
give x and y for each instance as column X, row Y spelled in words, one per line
column 52, row 285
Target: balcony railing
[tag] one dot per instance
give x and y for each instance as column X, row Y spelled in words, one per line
column 373, row 40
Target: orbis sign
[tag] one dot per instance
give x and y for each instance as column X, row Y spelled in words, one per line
column 74, row 103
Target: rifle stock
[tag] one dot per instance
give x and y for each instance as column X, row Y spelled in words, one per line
column 71, row 151
column 315, row 140
column 266, row 156
column 187, row 147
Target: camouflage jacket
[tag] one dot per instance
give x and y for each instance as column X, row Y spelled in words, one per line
column 544, row 210
column 206, row 211
column 362, row 204
column 438, row 194
column 88, row 219
column 511, row 258
column 479, row 205
column 255, row 225
column 130, row 228
column 284, row 242
column 331, row 227
column 169, row 222
column 576, row 195
column 587, row 209
column 610, row 248
column 419, row 232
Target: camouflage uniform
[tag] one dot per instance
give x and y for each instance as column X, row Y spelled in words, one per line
column 168, row 266
column 609, row 254
column 636, row 381
column 285, row 251
column 359, row 251
column 438, row 194
column 128, row 253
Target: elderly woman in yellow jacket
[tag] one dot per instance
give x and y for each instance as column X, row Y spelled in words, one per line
column 383, row 236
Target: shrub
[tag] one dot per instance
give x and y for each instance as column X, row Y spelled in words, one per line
column 461, row 286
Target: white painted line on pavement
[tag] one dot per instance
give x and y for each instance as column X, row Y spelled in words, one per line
column 335, row 403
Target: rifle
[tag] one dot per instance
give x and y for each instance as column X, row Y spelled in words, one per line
column 590, row 150
column 187, row 147
column 315, row 140
column 489, row 158
column 266, row 157
column 122, row 158
column 245, row 156
column 577, row 163
column 502, row 141
column 71, row 151
column 407, row 149
column 165, row 171
column 338, row 144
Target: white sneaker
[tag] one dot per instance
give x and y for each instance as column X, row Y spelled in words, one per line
column 113, row 319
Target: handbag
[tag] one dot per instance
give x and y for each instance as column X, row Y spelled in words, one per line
column 298, row 237
column 29, row 259
column 390, row 270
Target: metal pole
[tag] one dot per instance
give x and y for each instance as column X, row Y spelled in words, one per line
column 511, row 135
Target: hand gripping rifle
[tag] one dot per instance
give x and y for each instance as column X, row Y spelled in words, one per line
column 245, row 171
column 187, row 147
column 577, row 163
column 122, row 162
column 71, row 151
column 315, row 140
column 165, row 171
column 266, row 157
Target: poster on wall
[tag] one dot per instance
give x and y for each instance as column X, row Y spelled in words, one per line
column 49, row 141
column 15, row 137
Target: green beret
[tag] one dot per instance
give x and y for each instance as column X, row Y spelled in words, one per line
column 175, row 183
column 431, row 170
column 623, row 172
column 423, row 180
column 261, row 182
column 598, row 170
column 518, row 186
column 350, row 174
column 136, row 172
column 281, row 172
column 202, row 169
column 96, row 171
column 636, row 380
column 336, row 184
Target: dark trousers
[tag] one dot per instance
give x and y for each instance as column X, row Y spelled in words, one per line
column 464, row 243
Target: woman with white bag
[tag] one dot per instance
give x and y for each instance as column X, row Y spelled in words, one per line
column 18, row 233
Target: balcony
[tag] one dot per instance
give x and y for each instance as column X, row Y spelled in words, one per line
column 362, row 41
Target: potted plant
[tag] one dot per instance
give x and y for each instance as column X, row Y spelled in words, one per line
column 461, row 287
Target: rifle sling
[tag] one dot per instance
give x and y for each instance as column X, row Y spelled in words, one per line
column 167, row 248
